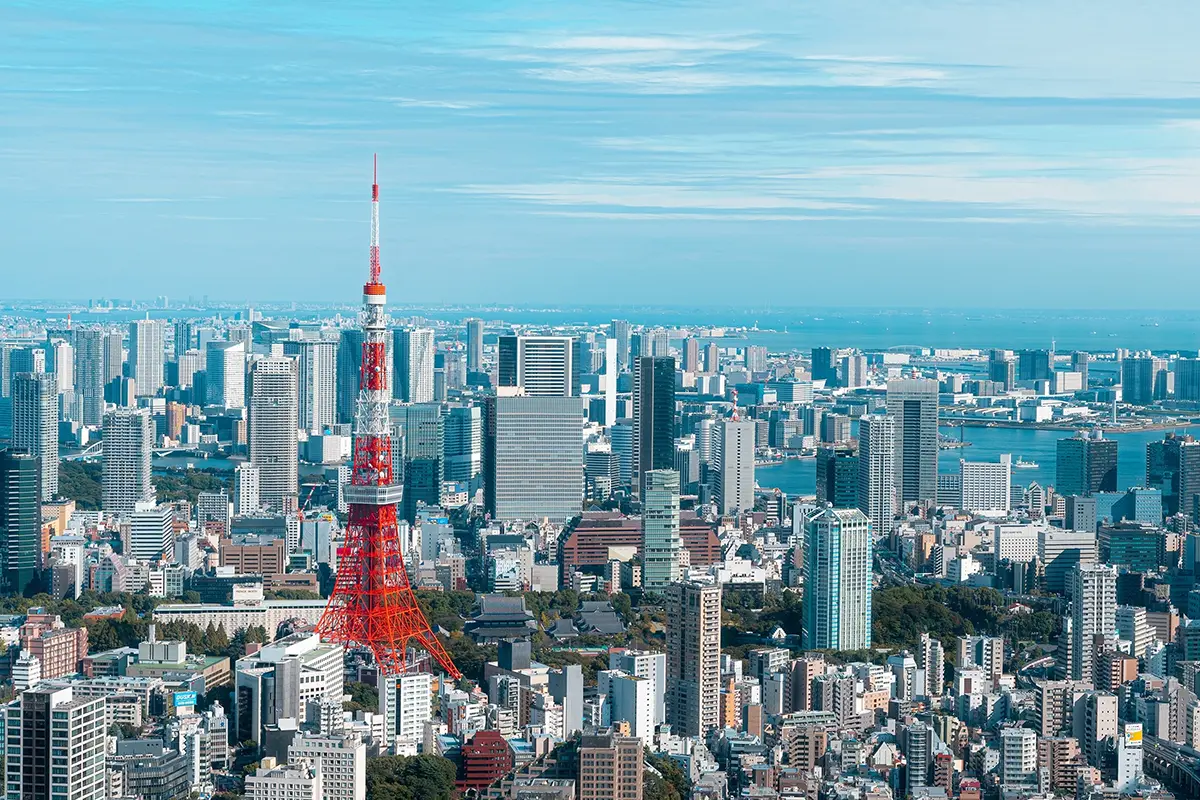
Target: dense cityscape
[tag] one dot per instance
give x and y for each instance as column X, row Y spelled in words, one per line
column 347, row 556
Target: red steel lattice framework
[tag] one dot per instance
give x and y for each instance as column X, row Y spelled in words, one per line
column 372, row 605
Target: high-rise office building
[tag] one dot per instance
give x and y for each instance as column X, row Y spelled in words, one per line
column 837, row 607
column 661, row 543
column 755, row 357
column 854, row 371
column 474, row 345
column 540, row 365
column 422, row 442
column 693, row 657
column 619, row 329
column 126, row 481
column 35, row 425
column 586, row 359
column 1093, row 592
column 834, row 428
column 114, row 357
column 877, row 470
column 1143, row 379
column 246, row 499
column 316, row 377
column 824, row 365
column 151, row 532
column 48, row 724
column 463, row 443
column 1002, row 369
column 653, row 416
column 414, row 351
column 1173, row 466
column 1187, row 379
column 535, row 458
column 20, row 520
column 185, row 336
column 1087, row 463
column 1059, row 551
column 986, row 485
column 913, row 404
column 1034, row 365
column 837, row 475
column 225, row 371
column 610, row 767
column 146, row 355
column 732, row 465
column 1079, row 363
column 272, row 431
column 60, row 359
column 712, row 358
column 89, row 373
column 691, row 355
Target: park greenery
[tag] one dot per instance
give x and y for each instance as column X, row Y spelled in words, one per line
column 425, row 777
column 81, row 481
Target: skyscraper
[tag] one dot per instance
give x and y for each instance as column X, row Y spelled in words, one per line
column 225, row 370
column 1079, row 363
column 413, row 349
column 316, row 362
column 661, row 543
column 733, row 465
column 837, row 591
column 540, row 365
column 245, row 490
column 1187, row 379
column 20, row 520
column 1002, row 369
column 824, row 366
column 1034, row 365
column 463, row 443
column 876, row 470
column 854, row 371
column 35, row 425
column 185, row 336
column 913, row 404
column 693, row 657
column 535, row 458
column 1086, row 464
column 89, row 373
column 1093, row 592
column 128, row 436
column 272, row 431
column 712, row 358
column 1143, row 379
column 837, row 475
column 146, row 355
column 114, row 356
column 653, row 416
column 619, row 329
column 474, row 345
column 691, row 355
column 49, row 723
column 1173, row 466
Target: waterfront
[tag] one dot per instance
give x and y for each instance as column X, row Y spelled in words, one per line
column 798, row 476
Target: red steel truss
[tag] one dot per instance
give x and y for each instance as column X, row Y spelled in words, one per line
column 373, row 605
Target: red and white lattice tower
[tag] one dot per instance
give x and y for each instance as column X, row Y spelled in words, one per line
column 372, row 605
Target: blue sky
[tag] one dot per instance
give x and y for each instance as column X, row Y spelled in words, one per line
column 855, row 153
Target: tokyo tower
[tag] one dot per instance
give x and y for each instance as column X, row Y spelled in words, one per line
column 373, row 606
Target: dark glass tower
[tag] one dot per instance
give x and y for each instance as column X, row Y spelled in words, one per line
column 653, row 416
column 20, row 520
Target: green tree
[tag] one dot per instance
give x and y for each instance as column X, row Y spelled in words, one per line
column 363, row 697
column 425, row 777
column 675, row 783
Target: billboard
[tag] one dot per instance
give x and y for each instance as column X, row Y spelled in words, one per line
column 184, row 699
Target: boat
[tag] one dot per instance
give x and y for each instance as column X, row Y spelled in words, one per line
column 1021, row 463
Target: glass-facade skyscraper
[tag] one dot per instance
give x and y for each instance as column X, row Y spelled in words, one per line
column 661, row 543
column 20, row 519
column 837, row 594
column 653, row 416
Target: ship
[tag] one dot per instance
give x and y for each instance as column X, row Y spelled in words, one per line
column 1021, row 463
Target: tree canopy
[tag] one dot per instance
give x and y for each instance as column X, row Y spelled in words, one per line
column 424, row 777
